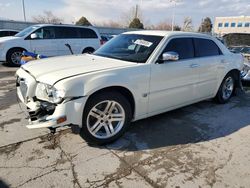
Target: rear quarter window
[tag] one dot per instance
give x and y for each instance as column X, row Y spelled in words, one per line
column 206, row 47
column 87, row 33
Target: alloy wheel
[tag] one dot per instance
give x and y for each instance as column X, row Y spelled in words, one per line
column 227, row 88
column 16, row 57
column 105, row 119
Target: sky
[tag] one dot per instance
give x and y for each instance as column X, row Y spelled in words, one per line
column 99, row 11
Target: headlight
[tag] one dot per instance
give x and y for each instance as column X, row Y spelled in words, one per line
column 49, row 93
column 1, row 45
column 245, row 70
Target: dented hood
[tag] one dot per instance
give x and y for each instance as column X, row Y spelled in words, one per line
column 50, row 70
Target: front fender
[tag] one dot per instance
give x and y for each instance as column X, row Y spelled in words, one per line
column 136, row 80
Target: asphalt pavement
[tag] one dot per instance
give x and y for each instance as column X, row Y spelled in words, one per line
column 201, row 145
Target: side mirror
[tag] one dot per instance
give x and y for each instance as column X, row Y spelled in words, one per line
column 33, row 36
column 170, row 56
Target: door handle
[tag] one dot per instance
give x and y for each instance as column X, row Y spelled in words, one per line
column 194, row 65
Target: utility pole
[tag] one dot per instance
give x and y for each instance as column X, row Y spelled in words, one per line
column 24, row 16
column 173, row 13
column 136, row 11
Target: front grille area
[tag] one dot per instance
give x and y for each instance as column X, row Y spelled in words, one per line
column 45, row 109
column 22, row 84
column 23, row 88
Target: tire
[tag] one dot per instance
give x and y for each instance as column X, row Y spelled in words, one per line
column 88, row 50
column 226, row 89
column 105, row 118
column 13, row 57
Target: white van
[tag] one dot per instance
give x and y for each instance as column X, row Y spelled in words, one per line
column 49, row 40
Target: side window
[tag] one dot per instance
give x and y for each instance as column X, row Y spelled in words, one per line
column 87, row 33
column 45, row 33
column 183, row 46
column 48, row 33
column 205, row 47
column 12, row 33
column 66, row 32
column 3, row 33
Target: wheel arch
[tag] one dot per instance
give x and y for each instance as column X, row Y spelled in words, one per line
column 120, row 89
column 236, row 74
column 89, row 48
column 12, row 48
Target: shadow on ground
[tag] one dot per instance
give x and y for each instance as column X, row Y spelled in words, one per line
column 3, row 184
column 200, row 122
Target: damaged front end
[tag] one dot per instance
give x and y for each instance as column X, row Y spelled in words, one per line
column 46, row 105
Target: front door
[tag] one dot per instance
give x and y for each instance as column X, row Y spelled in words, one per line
column 45, row 43
column 173, row 83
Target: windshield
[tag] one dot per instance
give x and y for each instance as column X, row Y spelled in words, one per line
column 245, row 50
column 130, row 47
column 26, row 31
column 236, row 49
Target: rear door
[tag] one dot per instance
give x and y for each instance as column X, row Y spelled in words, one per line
column 208, row 58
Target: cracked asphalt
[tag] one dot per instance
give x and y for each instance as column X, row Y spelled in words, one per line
column 202, row 145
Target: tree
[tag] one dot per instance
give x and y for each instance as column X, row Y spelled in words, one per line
column 47, row 17
column 83, row 22
column 109, row 24
column 161, row 26
column 130, row 14
column 136, row 23
column 187, row 25
column 206, row 25
column 177, row 28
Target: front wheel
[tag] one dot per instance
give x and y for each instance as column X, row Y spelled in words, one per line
column 226, row 89
column 14, row 57
column 106, row 117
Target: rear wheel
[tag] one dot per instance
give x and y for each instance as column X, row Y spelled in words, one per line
column 106, row 117
column 226, row 89
column 88, row 50
column 14, row 57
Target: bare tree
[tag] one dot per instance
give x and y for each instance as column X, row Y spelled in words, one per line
column 206, row 25
column 110, row 24
column 161, row 26
column 187, row 24
column 47, row 17
column 130, row 15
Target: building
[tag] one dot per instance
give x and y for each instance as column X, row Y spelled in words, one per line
column 225, row 25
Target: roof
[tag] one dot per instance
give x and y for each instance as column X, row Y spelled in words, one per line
column 8, row 30
column 64, row 25
column 166, row 33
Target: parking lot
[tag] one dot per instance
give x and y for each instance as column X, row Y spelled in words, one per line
column 202, row 145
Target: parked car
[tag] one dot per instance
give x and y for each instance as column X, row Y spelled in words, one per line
column 7, row 32
column 49, row 40
column 245, row 50
column 134, row 76
column 104, row 39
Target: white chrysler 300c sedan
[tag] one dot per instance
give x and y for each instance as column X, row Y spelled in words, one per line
column 135, row 75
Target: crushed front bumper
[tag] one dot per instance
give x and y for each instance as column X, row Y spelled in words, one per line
column 44, row 114
column 47, row 115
